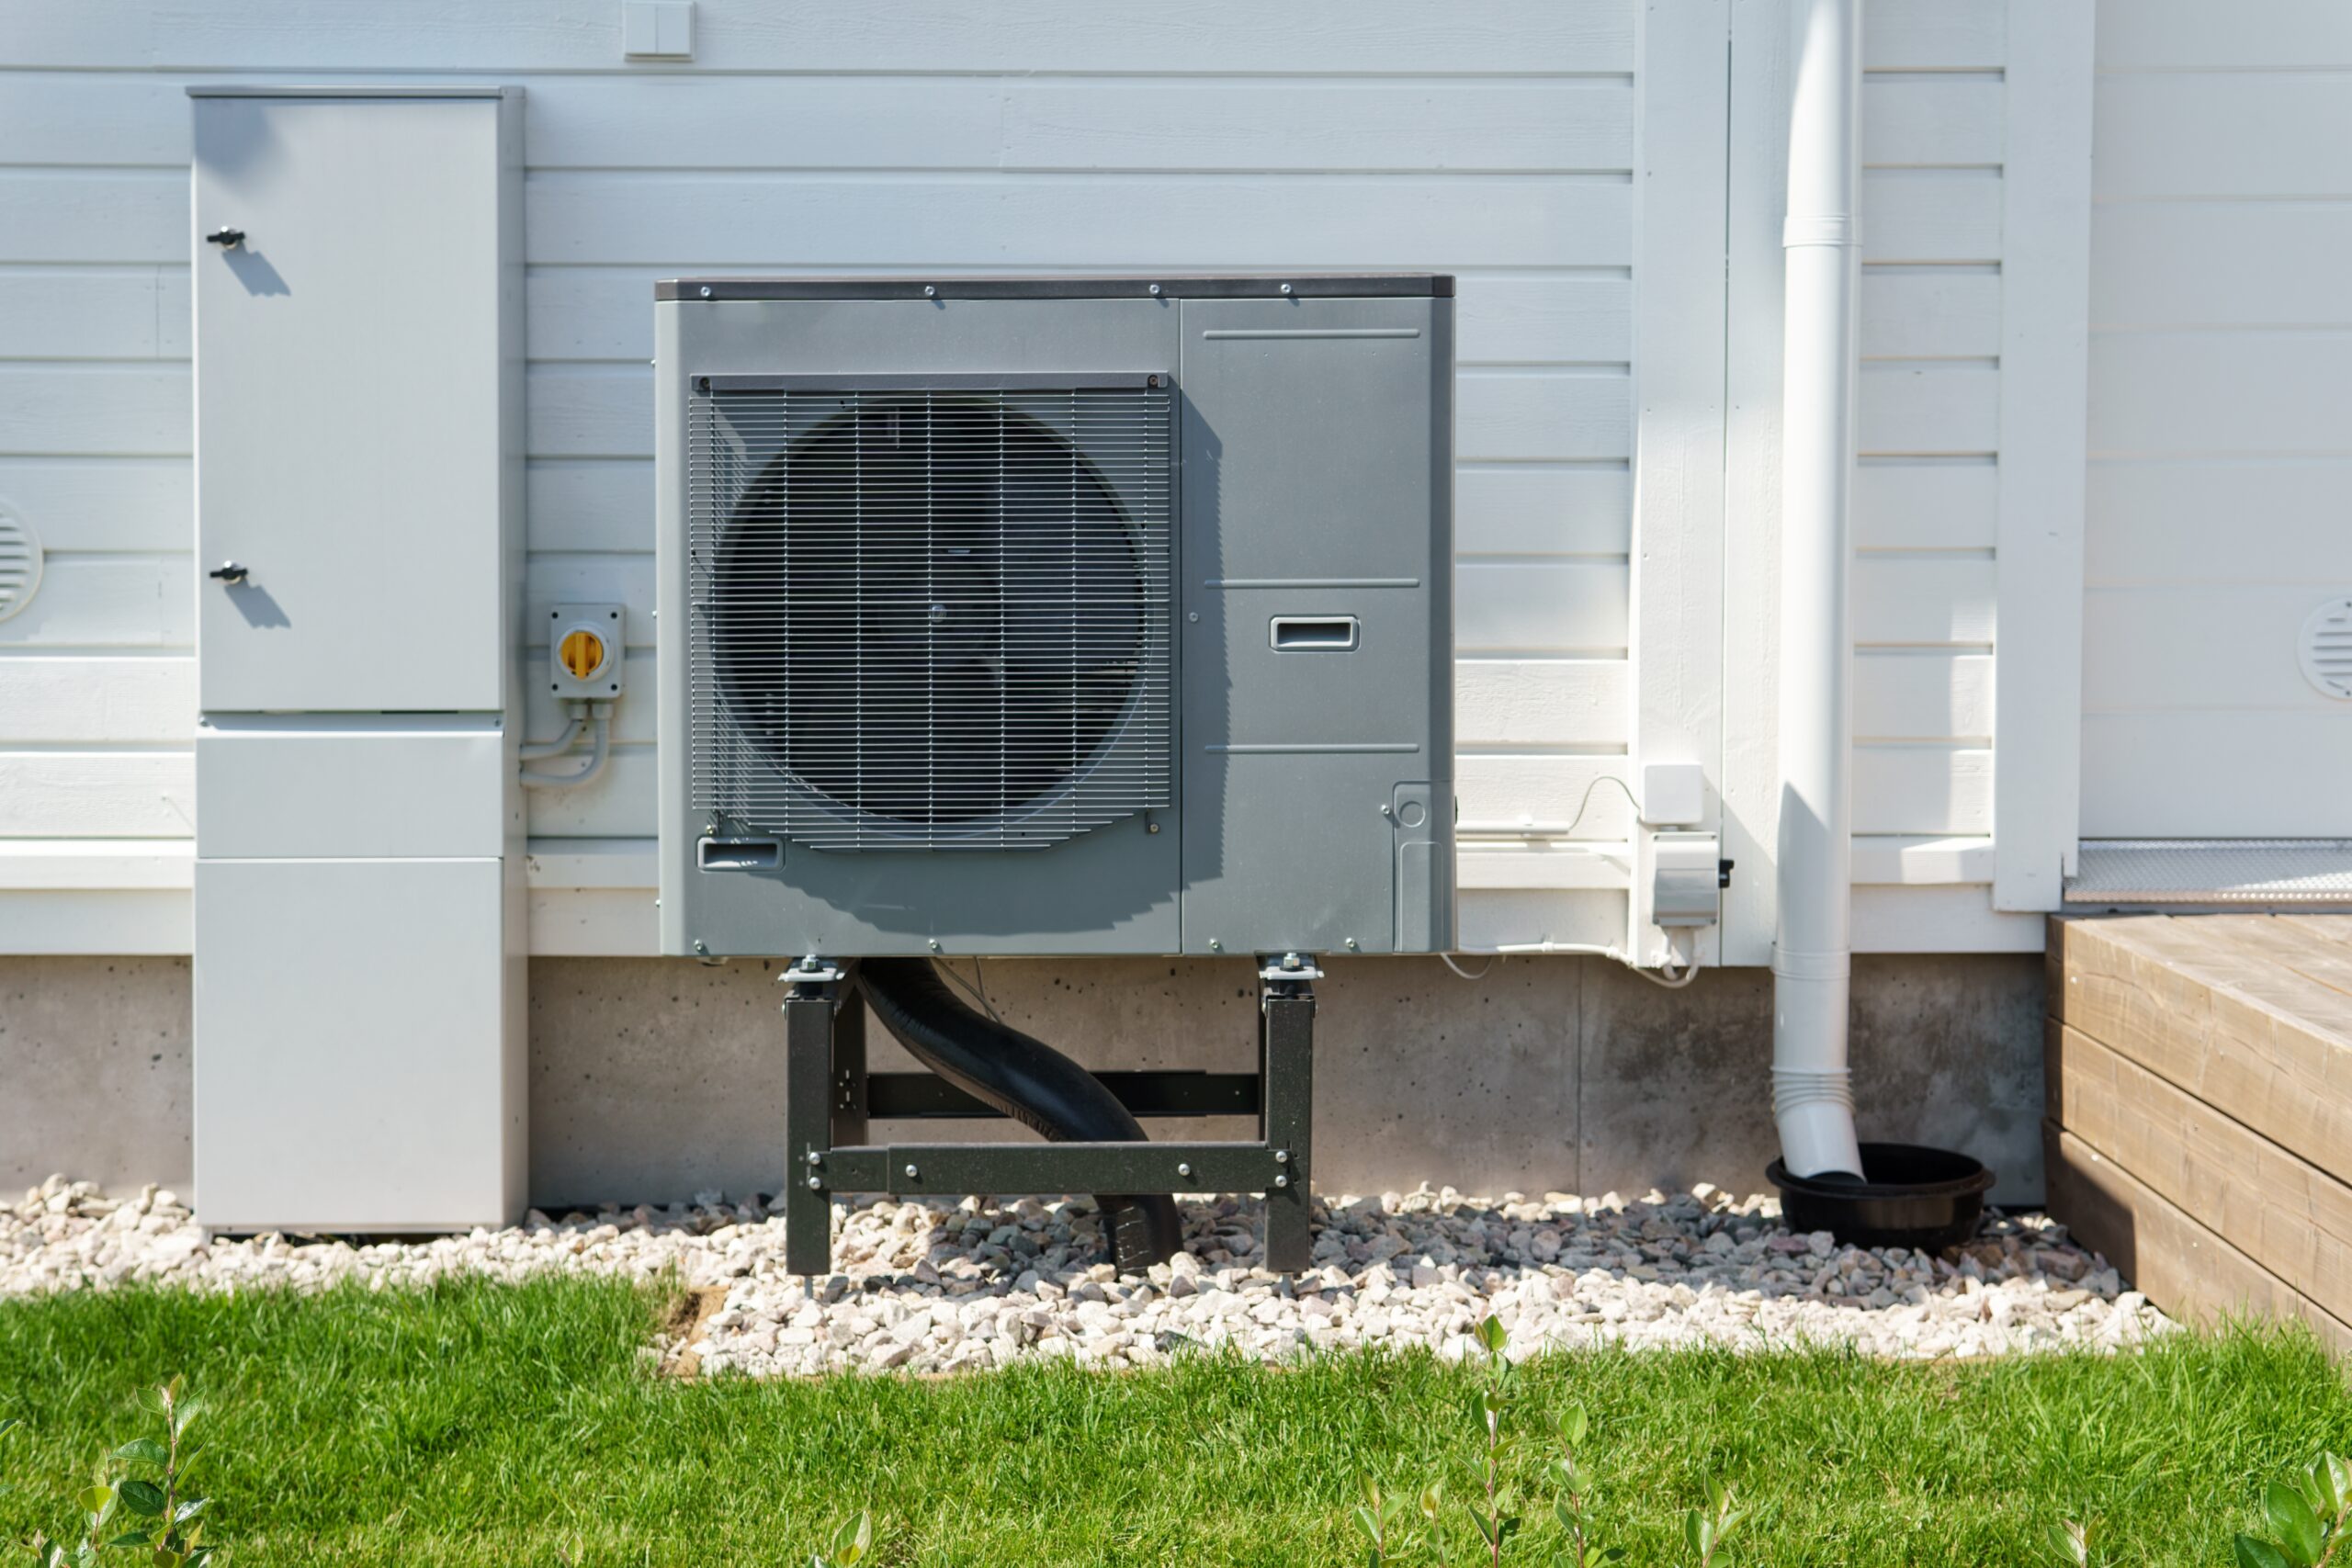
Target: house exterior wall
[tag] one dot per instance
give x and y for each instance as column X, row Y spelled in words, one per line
column 2220, row 409
column 1566, row 160
column 1601, row 174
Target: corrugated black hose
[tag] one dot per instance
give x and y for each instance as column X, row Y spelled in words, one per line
column 1027, row 1080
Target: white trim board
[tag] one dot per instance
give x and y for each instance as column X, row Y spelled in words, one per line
column 1676, row 599
column 630, row 864
column 613, row 922
column 594, row 897
column 2045, row 391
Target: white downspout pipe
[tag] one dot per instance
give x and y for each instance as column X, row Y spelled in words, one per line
column 1812, row 948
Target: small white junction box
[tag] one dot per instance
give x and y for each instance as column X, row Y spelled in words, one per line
column 658, row 29
column 1674, row 794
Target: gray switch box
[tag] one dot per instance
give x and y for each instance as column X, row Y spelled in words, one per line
column 1686, row 875
column 585, row 650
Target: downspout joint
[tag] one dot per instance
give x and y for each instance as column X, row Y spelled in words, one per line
column 1843, row 229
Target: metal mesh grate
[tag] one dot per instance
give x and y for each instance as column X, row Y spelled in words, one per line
column 2213, row 871
column 930, row 616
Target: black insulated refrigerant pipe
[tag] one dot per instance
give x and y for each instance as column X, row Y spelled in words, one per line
column 1025, row 1080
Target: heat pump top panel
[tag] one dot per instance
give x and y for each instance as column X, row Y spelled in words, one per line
column 1055, row 616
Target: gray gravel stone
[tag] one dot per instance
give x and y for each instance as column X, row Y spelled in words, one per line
column 941, row 1286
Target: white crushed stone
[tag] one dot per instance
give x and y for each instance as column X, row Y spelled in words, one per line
column 940, row 1287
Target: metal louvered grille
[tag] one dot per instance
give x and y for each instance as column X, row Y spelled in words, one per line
column 929, row 615
column 2325, row 649
column 20, row 563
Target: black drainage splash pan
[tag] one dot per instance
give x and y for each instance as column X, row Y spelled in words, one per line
column 1909, row 1196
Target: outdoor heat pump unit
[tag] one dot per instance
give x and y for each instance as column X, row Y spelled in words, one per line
column 1054, row 616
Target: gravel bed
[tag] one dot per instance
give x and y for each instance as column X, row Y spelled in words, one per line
column 936, row 1286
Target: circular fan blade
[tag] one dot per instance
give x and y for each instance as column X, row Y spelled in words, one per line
column 931, row 610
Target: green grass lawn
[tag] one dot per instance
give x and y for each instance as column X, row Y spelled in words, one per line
column 482, row 1423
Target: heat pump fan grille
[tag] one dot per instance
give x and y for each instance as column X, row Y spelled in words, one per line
column 927, row 617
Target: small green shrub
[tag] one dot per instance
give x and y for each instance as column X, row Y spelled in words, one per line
column 852, row 1539
column 2307, row 1515
column 137, row 1504
column 2068, row 1544
column 2310, row 1515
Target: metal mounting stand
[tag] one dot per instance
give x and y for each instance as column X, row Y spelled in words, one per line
column 829, row 1097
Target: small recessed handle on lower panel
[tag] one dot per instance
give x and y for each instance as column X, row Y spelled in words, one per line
column 1315, row 634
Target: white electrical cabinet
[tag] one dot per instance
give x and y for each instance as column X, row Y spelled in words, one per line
column 361, row 1027
column 351, row 404
column 373, row 786
column 352, row 1069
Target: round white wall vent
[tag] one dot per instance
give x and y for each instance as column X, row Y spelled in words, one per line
column 2325, row 646
column 19, row 563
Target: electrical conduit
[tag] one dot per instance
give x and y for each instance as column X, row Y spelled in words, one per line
column 599, row 752
column 1812, row 950
column 541, row 750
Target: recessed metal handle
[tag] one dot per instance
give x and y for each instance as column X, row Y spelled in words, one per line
column 1315, row 634
column 228, row 572
column 226, row 239
column 738, row 854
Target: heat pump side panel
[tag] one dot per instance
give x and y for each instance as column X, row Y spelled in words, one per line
column 1317, row 646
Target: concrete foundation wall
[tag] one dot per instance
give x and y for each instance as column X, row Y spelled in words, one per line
column 654, row 1078
column 96, row 1070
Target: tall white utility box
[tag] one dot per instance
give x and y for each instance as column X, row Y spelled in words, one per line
column 360, row 1057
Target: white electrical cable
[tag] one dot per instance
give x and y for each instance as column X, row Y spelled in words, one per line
column 1677, row 971
column 1548, row 830
column 1667, row 977
column 1674, row 961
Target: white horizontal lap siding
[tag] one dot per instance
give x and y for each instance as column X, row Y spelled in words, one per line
column 1968, row 509
column 2221, row 419
column 97, row 691
column 97, row 694
column 1927, row 432
column 1390, row 36
column 1493, row 141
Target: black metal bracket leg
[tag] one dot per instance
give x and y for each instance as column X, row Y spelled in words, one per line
column 829, row 1099
column 815, row 1108
column 1287, row 1121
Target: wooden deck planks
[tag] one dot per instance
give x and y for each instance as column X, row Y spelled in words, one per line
column 2288, row 1215
column 2200, row 1106
column 2248, row 1036
column 2178, row 1263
